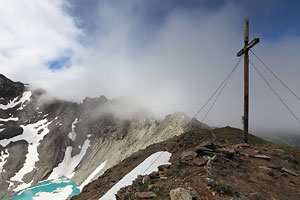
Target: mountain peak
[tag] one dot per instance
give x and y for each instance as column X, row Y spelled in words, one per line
column 10, row 89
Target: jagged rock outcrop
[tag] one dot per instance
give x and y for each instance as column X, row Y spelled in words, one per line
column 48, row 140
column 10, row 89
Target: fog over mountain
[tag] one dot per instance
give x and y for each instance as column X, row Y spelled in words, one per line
column 163, row 56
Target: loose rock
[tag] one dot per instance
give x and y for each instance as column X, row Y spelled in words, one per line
column 188, row 155
column 261, row 156
column 289, row 171
column 180, row 194
column 145, row 195
column 241, row 146
column 208, row 144
column 199, row 161
column 226, row 151
column 200, row 149
column 264, row 168
column 211, row 182
column 146, row 180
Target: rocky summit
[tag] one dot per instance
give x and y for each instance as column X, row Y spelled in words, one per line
column 44, row 140
column 207, row 165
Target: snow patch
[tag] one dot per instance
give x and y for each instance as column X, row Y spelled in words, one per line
column 72, row 134
column 92, row 175
column 22, row 186
column 67, row 166
column 30, row 134
column 3, row 159
column 11, row 184
column 148, row 166
column 26, row 97
column 9, row 119
column 59, row 193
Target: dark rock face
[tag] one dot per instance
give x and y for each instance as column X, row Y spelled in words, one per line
column 10, row 89
column 12, row 129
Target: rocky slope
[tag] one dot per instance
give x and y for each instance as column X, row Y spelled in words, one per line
column 45, row 140
column 208, row 164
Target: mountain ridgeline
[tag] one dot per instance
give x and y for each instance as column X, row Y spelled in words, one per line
column 42, row 140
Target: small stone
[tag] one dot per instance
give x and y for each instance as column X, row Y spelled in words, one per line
column 154, row 175
column 208, row 144
column 195, row 195
column 180, row 194
column 199, row 161
column 188, row 155
column 261, row 156
column 163, row 167
column 211, row 182
column 282, row 151
column 240, row 146
column 226, row 151
column 200, row 149
column 145, row 195
column 289, row 171
column 161, row 174
column 151, row 186
column 245, row 154
column 146, row 179
column 264, row 168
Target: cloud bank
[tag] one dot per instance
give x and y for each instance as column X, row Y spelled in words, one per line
column 169, row 62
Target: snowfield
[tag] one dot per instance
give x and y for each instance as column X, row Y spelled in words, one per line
column 33, row 138
column 68, row 165
column 26, row 97
column 148, row 166
column 92, row 175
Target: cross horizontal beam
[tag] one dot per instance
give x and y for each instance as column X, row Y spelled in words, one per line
column 248, row 46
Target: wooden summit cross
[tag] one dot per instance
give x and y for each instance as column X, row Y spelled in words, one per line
column 244, row 51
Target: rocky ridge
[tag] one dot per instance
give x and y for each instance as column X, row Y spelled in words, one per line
column 208, row 164
column 40, row 141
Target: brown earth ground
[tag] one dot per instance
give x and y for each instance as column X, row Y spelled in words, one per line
column 231, row 173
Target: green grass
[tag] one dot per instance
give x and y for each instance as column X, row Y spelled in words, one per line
column 236, row 136
column 177, row 168
column 226, row 189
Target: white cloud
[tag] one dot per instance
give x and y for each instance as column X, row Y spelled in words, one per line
column 174, row 66
column 32, row 33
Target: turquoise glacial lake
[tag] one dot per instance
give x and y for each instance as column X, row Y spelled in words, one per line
column 58, row 189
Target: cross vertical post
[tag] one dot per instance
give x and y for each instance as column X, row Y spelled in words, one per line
column 244, row 52
column 246, row 82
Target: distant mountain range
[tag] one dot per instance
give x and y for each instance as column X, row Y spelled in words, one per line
column 284, row 139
